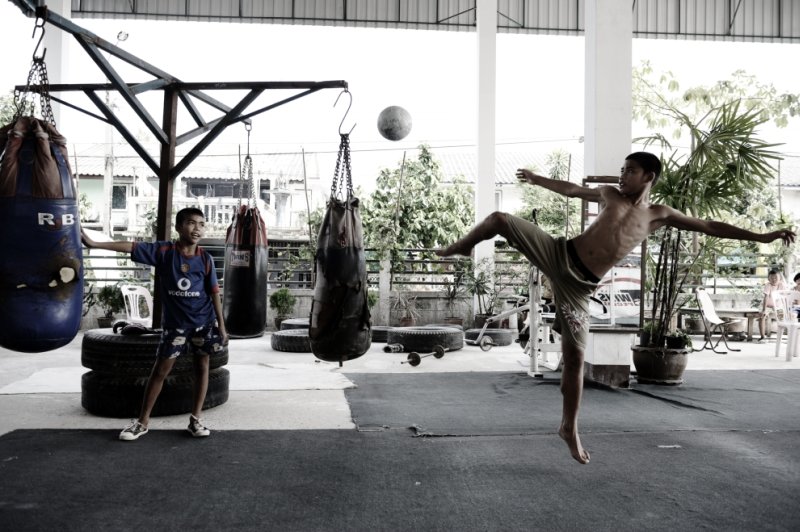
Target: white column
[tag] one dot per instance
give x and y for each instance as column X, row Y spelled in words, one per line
column 58, row 44
column 486, row 21
column 608, row 107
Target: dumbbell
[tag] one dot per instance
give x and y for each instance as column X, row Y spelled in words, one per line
column 415, row 358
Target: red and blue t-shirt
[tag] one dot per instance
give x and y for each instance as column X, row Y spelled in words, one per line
column 187, row 283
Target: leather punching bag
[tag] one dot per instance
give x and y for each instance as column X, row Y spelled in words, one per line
column 340, row 319
column 244, row 302
column 41, row 268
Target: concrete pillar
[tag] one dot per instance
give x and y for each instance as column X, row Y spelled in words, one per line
column 608, row 106
column 486, row 20
column 58, row 44
column 607, row 135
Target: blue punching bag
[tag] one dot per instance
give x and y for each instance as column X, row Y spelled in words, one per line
column 41, row 262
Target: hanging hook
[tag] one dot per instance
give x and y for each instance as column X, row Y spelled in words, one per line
column 247, row 128
column 39, row 25
column 346, row 112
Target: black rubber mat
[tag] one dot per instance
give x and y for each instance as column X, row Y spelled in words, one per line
column 387, row 481
column 508, row 403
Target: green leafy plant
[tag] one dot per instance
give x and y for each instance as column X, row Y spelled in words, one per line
column 453, row 289
column 405, row 305
column 489, row 284
column 110, row 299
column 283, row 302
column 726, row 161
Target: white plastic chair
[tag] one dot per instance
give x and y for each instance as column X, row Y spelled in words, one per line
column 786, row 321
column 134, row 296
column 713, row 323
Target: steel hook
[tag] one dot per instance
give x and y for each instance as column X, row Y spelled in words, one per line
column 39, row 25
column 346, row 112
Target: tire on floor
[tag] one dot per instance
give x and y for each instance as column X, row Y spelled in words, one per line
column 379, row 333
column 121, row 397
column 291, row 341
column 295, row 323
column 133, row 356
column 499, row 336
column 424, row 339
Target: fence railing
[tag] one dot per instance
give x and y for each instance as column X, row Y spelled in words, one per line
column 420, row 270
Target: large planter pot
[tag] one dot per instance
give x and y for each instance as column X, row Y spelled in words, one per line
column 659, row 365
column 480, row 319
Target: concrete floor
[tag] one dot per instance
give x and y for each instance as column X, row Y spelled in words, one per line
column 272, row 390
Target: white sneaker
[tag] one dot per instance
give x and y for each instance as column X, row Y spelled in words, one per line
column 196, row 428
column 133, row 431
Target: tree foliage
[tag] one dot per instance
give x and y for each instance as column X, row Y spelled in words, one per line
column 7, row 109
column 556, row 214
column 656, row 97
column 411, row 207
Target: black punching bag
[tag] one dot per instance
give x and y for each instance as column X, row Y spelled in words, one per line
column 340, row 319
column 244, row 302
column 41, row 268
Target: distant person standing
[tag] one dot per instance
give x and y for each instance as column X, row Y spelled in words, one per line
column 774, row 283
column 192, row 320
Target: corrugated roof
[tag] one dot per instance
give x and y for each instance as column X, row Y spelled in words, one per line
column 741, row 20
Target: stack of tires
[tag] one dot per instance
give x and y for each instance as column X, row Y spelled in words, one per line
column 121, row 365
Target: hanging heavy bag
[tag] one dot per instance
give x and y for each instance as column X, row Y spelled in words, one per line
column 41, row 271
column 244, row 301
column 340, row 319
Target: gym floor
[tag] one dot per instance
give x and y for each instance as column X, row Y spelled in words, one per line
column 465, row 442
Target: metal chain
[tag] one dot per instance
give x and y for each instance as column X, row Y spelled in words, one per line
column 37, row 78
column 338, row 178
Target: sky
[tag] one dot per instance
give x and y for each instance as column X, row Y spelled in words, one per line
column 432, row 74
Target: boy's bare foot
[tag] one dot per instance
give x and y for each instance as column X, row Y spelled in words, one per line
column 574, row 444
column 456, row 248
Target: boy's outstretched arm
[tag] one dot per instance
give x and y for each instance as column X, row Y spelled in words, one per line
column 679, row 220
column 565, row 188
column 117, row 245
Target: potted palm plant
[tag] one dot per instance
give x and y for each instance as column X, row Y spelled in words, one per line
column 453, row 290
column 725, row 161
column 405, row 305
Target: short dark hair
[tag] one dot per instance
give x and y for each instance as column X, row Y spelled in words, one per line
column 796, row 277
column 184, row 213
column 773, row 271
column 648, row 162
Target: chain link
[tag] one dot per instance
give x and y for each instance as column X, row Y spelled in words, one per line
column 37, row 83
column 340, row 177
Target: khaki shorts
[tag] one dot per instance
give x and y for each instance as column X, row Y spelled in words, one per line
column 571, row 290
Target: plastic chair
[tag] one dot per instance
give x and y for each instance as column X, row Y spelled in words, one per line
column 713, row 323
column 786, row 321
column 135, row 296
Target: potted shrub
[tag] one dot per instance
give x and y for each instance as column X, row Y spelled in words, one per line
column 111, row 301
column 453, row 290
column 282, row 302
column 488, row 283
column 405, row 306
column 725, row 161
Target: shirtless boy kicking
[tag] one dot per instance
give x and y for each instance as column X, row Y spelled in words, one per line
column 575, row 266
